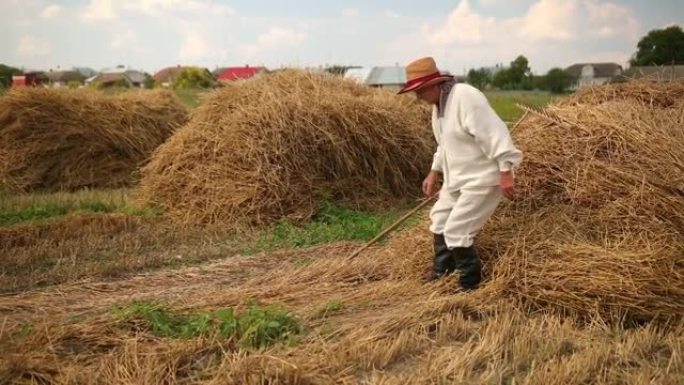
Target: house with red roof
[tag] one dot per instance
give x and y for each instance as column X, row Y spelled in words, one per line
column 230, row 74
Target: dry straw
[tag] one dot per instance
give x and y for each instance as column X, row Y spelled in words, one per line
column 597, row 233
column 70, row 139
column 273, row 147
column 599, row 227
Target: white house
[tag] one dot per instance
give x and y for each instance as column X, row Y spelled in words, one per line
column 592, row 74
column 120, row 74
column 393, row 77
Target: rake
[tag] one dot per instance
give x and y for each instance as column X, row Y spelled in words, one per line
column 391, row 228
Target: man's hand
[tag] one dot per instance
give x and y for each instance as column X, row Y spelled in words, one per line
column 507, row 184
column 431, row 183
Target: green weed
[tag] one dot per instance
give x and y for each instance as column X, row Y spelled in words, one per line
column 504, row 102
column 257, row 327
column 331, row 307
column 18, row 208
column 331, row 224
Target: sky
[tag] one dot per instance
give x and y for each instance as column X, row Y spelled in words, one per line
column 460, row 34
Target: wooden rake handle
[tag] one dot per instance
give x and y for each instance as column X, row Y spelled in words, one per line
column 391, row 228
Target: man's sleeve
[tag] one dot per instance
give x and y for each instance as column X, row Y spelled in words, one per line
column 490, row 132
column 437, row 160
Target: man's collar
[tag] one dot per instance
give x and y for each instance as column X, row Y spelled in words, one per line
column 444, row 95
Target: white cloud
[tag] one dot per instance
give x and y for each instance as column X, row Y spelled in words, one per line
column 274, row 38
column 98, row 10
column 350, row 12
column 569, row 20
column 123, row 39
column 462, row 26
column 195, row 47
column 30, row 46
column 551, row 20
column 280, row 36
column 391, row 14
column 611, row 19
column 160, row 7
column 550, row 33
column 51, row 11
column 108, row 9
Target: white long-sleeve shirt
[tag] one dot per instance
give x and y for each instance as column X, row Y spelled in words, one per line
column 474, row 144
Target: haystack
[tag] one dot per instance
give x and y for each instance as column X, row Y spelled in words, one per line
column 274, row 147
column 70, row 139
column 599, row 227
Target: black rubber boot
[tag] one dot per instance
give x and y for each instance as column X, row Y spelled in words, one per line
column 467, row 262
column 443, row 263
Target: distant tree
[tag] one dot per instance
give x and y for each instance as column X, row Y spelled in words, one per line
column 193, row 78
column 149, row 82
column 660, row 47
column 502, row 79
column 517, row 76
column 557, row 80
column 479, row 78
column 539, row 82
column 338, row 69
column 6, row 73
column 519, row 70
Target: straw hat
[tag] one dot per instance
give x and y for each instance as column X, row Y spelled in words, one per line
column 423, row 73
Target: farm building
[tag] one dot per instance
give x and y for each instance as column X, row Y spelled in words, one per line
column 28, row 79
column 62, row 78
column 592, row 74
column 87, row 72
column 359, row 75
column 379, row 76
column 387, row 77
column 119, row 76
column 230, row 74
column 658, row 73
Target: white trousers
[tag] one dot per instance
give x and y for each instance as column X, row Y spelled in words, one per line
column 460, row 215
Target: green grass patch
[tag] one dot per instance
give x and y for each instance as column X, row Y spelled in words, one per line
column 190, row 97
column 31, row 213
column 331, row 224
column 256, row 327
column 331, row 307
column 19, row 208
column 504, row 102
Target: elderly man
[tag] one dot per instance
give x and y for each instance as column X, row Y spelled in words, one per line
column 474, row 160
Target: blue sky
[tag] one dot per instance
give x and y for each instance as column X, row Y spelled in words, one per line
column 460, row 34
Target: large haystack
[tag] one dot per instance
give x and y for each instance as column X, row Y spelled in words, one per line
column 600, row 226
column 70, row 139
column 275, row 146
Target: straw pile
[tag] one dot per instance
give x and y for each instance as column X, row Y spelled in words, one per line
column 70, row 139
column 600, row 226
column 659, row 95
column 273, row 147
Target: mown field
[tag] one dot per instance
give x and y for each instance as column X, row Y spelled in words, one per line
column 49, row 215
column 97, row 287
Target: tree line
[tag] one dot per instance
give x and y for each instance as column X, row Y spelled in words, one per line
column 659, row 47
column 518, row 76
